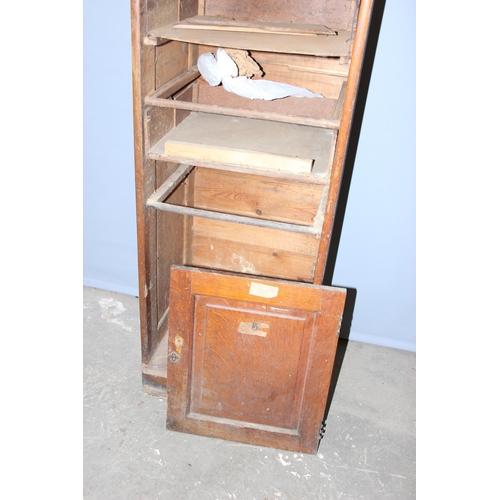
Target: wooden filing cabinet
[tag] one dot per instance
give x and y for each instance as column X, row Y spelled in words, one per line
column 236, row 200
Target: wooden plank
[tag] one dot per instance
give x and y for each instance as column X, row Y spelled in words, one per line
column 264, row 136
column 270, row 238
column 180, row 324
column 142, row 83
column 268, row 42
column 157, row 122
column 218, row 23
column 323, row 75
column 253, row 259
column 253, row 250
column 289, row 108
column 337, row 112
column 171, row 62
column 276, row 293
column 337, row 14
column 155, row 41
column 244, row 112
column 234, row 156
column 322, row 83
column 189, row 8
column 170, row 244
column 160, row 13
column 257, row 196
column 239, row 219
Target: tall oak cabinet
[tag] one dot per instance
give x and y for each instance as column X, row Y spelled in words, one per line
column 236, row 200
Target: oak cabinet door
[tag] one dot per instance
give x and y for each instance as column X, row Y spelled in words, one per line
column 250, row 359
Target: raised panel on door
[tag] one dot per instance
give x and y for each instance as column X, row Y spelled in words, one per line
column 250, row 359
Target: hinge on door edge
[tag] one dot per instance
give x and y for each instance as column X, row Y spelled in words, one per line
column 322, row 430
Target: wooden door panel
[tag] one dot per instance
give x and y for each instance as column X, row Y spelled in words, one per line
column 259, row 351
column 247, row 362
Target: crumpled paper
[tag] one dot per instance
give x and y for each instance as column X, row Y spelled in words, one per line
column 222, row 69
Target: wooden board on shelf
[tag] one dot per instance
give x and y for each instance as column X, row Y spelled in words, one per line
column 221, row 24
column 320, row 45
column 240, row 157
column 269, row 137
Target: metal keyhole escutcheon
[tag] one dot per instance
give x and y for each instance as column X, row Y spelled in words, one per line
column 174, row 357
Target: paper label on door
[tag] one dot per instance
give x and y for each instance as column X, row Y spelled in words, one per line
column 253, row 328
column 261, row 290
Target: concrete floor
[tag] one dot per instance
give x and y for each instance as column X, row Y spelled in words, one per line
column 368, row 450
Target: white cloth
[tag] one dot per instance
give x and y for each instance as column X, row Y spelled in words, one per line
column 222, row 69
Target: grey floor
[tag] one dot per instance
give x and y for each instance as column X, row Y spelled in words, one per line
column 368, row 450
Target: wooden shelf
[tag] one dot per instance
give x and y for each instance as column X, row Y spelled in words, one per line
column 302, row 111
column 159, row 200
column 253, row 135
column 286, row 38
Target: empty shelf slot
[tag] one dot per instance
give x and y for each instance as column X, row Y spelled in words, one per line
column 217, row 198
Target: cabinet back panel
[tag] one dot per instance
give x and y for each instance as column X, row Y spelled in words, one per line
column 314, row 108
column 229, row 246
column 160, row 13
column 254, row 196
column 334, row 14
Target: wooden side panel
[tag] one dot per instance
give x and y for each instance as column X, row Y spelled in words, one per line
column 259, row 251
column 255, row 196
column 171, row 244
column 250, row 360
column 154, row 231
column 171, row 61
column 157, row 122
column 351, row 92
column 143, row 82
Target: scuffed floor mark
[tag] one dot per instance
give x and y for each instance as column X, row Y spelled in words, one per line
column 283, row 461
column 111, row 308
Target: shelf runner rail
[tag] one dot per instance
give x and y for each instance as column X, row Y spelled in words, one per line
column 157, row 200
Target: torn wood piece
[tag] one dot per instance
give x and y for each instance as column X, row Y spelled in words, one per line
column 240, row 157
column 155, row 41
column 247, row 65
